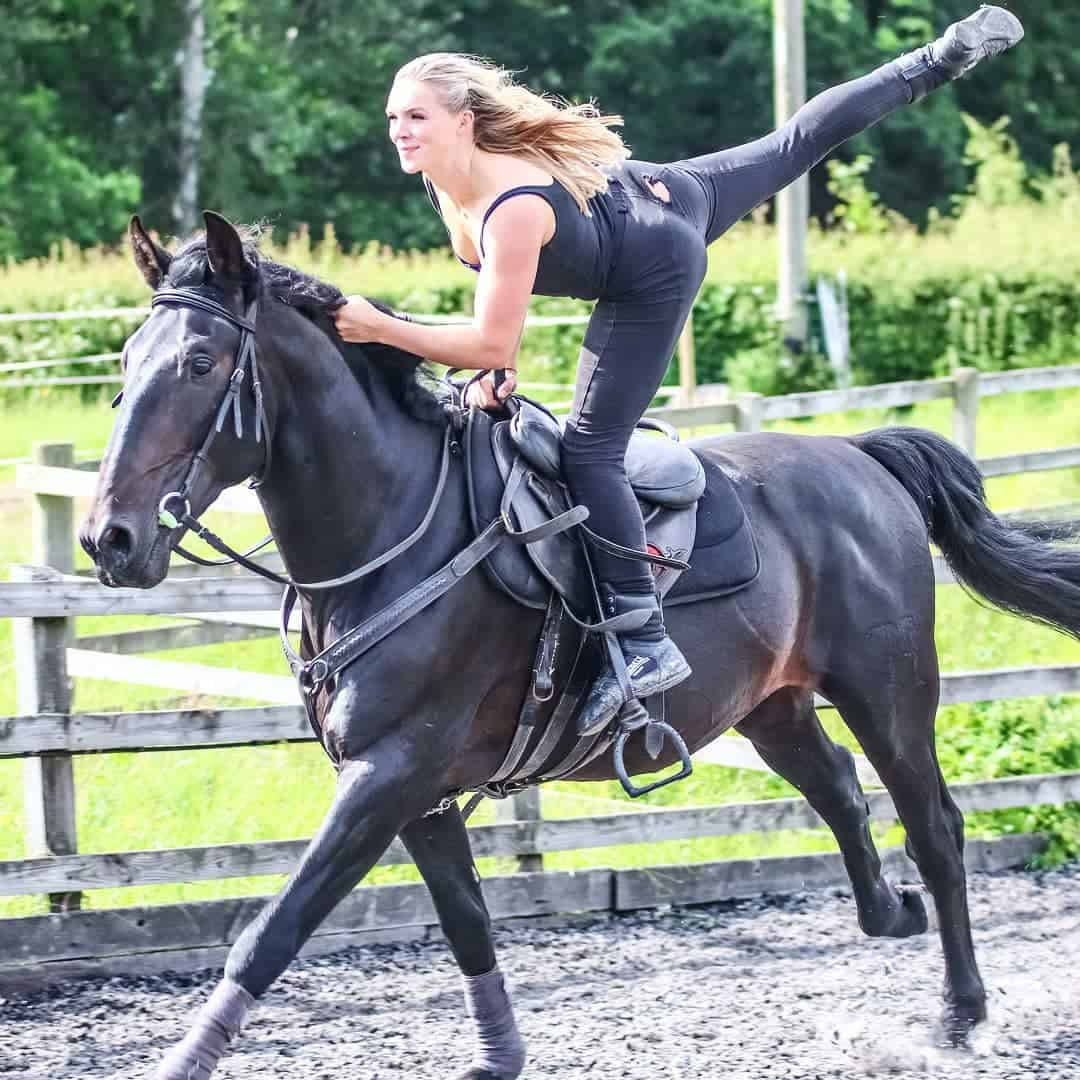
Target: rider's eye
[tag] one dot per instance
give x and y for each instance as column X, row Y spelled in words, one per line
column 202, row 365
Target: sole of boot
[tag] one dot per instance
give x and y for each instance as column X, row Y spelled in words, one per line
column 986, row 25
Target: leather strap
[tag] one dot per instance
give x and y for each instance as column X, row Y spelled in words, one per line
column 354, row 643
column 540, row 691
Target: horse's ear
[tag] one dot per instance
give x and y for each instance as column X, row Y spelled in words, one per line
column 152, row 260
column 224, row 248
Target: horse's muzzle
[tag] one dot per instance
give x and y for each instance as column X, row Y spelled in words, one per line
column 118, row 555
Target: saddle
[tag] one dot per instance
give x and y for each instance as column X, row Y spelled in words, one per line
column 514, row 473
column 514, row 470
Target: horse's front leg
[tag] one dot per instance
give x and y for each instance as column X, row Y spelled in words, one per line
column 374, row 797
column 439, row 845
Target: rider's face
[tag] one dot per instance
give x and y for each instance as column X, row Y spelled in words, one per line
column 425, row 132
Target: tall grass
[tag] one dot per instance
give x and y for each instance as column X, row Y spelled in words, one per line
column 1019, row 237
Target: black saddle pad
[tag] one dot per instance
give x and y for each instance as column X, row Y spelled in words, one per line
column 725, row 557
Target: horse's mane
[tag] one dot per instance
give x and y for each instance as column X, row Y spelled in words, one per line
column 408, row 378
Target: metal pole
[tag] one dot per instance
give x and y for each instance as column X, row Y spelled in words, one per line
column 793, row 203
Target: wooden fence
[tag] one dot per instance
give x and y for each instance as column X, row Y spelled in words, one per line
column 26, row 379
column 46, row 733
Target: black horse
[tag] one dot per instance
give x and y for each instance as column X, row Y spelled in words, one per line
column 844, row 606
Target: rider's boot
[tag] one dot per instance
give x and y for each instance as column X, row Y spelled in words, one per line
column 987, row 32
column 653, row 661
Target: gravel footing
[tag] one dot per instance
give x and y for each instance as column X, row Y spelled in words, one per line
column 750, row 990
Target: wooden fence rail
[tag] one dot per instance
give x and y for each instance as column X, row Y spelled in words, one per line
column 67, row 873
column 45, row 598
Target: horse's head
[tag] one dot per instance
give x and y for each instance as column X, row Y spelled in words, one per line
column 189, row 369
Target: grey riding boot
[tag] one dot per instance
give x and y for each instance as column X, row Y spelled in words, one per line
column 987, row 32
column 653, row 661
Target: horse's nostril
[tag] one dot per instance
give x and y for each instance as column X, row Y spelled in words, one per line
column 88, row 545
column 115, row 541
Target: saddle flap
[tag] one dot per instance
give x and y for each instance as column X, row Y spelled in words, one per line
column 559, row 558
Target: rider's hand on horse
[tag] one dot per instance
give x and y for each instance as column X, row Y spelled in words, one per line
column 483, row 395
column 358, row 320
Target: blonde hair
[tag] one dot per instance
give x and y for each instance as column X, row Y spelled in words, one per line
column 574, row 143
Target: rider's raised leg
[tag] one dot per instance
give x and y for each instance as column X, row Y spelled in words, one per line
column 374, row 797
column 987, row 32
column 439, row 845
column 738, row 179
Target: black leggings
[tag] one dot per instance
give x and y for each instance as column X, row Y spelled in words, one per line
column 634, row 328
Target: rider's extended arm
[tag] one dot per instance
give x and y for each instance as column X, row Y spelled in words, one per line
column 512, row 240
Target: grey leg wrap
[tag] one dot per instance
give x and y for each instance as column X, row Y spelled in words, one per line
column 500, row 1049
column 218, row 1022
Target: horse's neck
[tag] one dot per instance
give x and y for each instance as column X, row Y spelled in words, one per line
column 351, row 472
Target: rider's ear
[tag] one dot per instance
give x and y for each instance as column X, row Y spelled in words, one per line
column 152, row 260
column 224, row 248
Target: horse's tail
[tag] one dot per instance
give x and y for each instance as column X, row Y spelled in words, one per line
column 1013, row 565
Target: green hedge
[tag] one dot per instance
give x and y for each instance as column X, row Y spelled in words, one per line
column 899, row 330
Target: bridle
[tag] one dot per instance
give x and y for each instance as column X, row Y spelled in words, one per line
column 174, row 510
column 175, row 507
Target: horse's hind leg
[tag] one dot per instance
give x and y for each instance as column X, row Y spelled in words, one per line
column 888, row 697
column 439, row 845
column 789, row 737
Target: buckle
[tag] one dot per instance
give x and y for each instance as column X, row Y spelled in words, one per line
column 166, row 517
column 313, row 674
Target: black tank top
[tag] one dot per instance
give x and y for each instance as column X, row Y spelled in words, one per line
column 578, row 260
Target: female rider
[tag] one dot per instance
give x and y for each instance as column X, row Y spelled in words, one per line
column 540, row 199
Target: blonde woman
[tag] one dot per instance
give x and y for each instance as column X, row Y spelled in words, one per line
column 539, row 198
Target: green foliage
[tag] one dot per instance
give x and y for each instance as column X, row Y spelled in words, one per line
column 293, row 126
column 1000, row 174
column 858, row 210
column 1017, row 738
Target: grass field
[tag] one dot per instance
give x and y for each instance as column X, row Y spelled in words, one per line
column 133, row 801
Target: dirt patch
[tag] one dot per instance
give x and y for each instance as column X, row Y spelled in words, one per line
column 777, row 987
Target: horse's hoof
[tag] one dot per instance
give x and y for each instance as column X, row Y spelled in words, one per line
column 911, row 918
column 959, row 1021
column 905, row 916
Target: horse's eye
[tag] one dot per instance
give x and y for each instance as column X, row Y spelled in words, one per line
column 202, row 365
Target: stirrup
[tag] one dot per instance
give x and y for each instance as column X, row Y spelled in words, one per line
column 633, row 718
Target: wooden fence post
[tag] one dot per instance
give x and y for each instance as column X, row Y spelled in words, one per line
column 524, row 806
column 965, row 407
column 748, row 408
column 41, row 679
column 687, row 363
